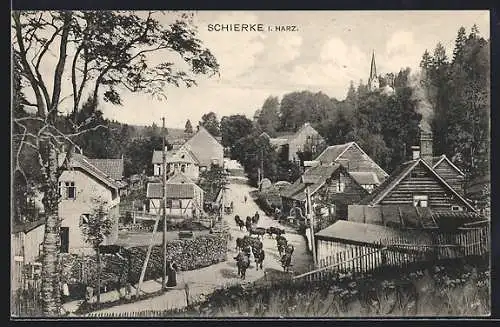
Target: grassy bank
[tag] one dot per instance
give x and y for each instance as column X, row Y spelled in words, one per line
column 454, row 289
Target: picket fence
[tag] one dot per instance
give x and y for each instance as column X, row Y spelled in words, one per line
column 400, row 253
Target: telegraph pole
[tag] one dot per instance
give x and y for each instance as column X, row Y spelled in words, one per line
column 311, row 223
column 261, row 164
column 164, row 205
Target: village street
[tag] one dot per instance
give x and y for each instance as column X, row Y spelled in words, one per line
column 204, row 281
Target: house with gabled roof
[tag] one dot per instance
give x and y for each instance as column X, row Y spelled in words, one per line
column 205, row 148
column 177, row 160
column 196, row 154
column 183, row 197
column 83, row 187
column 305, row 139
column 355, row 160
column 331, row 189
column 416, row 183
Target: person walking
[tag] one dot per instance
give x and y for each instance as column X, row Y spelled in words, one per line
column 245, row 198
column 172, row 274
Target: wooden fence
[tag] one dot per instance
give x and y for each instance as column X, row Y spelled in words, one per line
column 401, row 252
column 26, row 298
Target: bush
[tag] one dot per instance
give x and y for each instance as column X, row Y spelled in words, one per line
column 189, row 254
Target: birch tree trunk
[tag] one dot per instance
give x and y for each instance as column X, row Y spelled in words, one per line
column 51, row 297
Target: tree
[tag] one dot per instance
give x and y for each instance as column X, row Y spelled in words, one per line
column 214, row 179
column 95, row 228
column 210, row 122
column 268, row 119
column 188, row 128
column 254, row 152
column 233, row 128
column 111, row 51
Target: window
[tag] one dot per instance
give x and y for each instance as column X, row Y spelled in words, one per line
column 340, row 186
column 183, row 168
column 84, row 218
column 420, row 201
column 169, row 203
column 456, row 208
column 67, row 190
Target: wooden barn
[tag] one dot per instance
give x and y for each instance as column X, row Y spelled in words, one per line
column 346, row 240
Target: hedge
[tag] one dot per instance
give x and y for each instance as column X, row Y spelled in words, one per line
column 189, row 254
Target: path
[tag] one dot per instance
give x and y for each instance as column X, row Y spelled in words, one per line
column 205, row 280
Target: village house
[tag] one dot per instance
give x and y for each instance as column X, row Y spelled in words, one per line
column 306, row 139
column 83, row 189
column 331, row 189
column 197, row 154
column 177, row 160
column 425, row 181
column 183, row 197
column 356, row 161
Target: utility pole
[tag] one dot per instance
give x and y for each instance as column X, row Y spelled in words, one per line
column 164, row 205
column 261, row 164
column 310, row 216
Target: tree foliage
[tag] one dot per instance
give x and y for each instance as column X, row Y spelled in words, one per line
column 233, row 128
column 211, row 123
column 188, row 128
column 102, row 53
column 268, row 119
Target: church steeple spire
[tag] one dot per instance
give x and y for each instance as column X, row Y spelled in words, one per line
column 373, row 82
column 373, row 68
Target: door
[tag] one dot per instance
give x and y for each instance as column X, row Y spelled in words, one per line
column 64, row 239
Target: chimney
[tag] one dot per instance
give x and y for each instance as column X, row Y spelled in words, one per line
column 415, row 150
column 426, row 152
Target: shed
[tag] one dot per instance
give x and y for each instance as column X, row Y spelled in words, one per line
column 347, row 236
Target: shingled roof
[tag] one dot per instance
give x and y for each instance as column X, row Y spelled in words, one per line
column 82, row 162
column 316, row 176
column 179, row 186
column 111, row 167
column 333, row 152
column 360, row 233
column 365, row 178
column 205, row 148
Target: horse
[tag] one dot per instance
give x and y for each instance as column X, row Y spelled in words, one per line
column 276, row 231
column 248, row 223
column 239, row 243
column 247, row 241
column 259, row 259
column 239, row 222
column 286, row 260
column 255, row 218
column 259, row 231
column 242, row 262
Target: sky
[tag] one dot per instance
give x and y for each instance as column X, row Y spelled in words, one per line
column 326, row 51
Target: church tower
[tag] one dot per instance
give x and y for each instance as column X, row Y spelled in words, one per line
column 373, row 82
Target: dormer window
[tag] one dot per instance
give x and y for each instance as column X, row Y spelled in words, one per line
column 456, row 208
